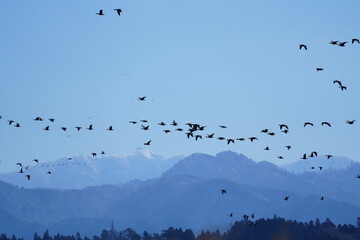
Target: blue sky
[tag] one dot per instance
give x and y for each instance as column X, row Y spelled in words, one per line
column 233, row 63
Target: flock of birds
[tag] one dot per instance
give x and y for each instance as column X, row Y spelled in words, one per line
column 195, row 130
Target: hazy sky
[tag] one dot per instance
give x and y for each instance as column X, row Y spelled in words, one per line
column 234, row 63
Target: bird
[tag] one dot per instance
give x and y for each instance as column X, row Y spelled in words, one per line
column 101, row 12
column 28, row 176
column 102, row 153
column 283, row 126
column 304, row 156
column 343, row 88
column 142, row 98
column 38, row 119
column 286, row 198
column 265, row 130
column 246, row 217
column 320, row 167
column 253, row 138
column 222, row 126
column 231, row 214
column 49, row 172
column 17, row 125
column 253, row 216
column 313, row 154
column 52, row 119
column 90, row 128
column 240, row 139
column 179, row 129
column 223, row 191
column 161, row 123
column 308, row 123
column 288, row 147
column 21, row 170
column 94, row 154
column 271, row 133
column 221, row 138
column 144, row 120
column 47, row 128
column 174, row 123
column 338, row 82
column 329, row 156
column 302, row 46
column 285, row 131
column 20, row 164
column 358, row 176
column 36, row 160
column 312, row 167
column 197, row 137
column 166, row 131
column 210, row 135
column 322, row 198
column 341, row 44
column 145, row 127
column 78, row 128
column 319, row 69
column 133, row 122
column 266, row 148
column 326, row 123
column 230, row 141
column 63, row 128
column 118, row 10
column 333, row 42
column 147, row 143
column 280, row 157
column 110, row 128
column 355, row 40
column 350, row 122
column 189, row 134
column 10, row 122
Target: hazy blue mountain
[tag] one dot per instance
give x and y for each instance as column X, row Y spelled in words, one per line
column 305, row 165
column 85, row 171
column 188, row 195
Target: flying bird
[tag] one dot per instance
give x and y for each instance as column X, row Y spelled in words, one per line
column 102, row 153
column 266, row 148
column 94, row 154
column 333, row 42
column 322, row 198
column 47, row 128
column 17, row 125
column 142, row 98
column 253, row 138
column 338, row 82
column 302, row 46
column 280, row 157
column 110, row 128
column 145, row 127
column 101, row 12
column 350, row 122
column 166, row 131
column 52, row 119
column 144, row 120
column 147, row 143
column 38, row 119
column 342, row 44
column 286, row 198
column 288, row 147
column 343, row 88
column 231, row 214
column 28, row 176
column 10, row 122
column 271, row 133
column 308, row 123
column 240, row 139
column 285, row 131
column 319, row 69
column 210, row 135
column 78, row 128
column 230, row 141
column 36, row 160
column 179, row 129
column 355, row 40
column 63, row 128
column 313, row 154
column 197, row 137
column 265, row 130
column 326, row 123
column 161, row 123
column 90, row 127
column 304, row 156
column 133, row 122
column 223, row 191
column 221, row 138
column 329, row 156
column 118, row 11
column 283, row 126
column 222, row 126
column 174, row 123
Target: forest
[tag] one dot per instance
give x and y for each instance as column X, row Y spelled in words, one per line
column 275, row 228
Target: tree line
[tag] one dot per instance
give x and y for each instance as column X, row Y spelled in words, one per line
column 275, row 228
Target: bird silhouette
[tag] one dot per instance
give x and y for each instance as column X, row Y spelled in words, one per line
column 94, row 154
column 63, row 128
column 283, row 126
column 221, row 138
column 313, row 154
column 308, row 123
column 342, row 44
column 326, row 123
column 52, row 119
column 110, row 128
column 147, row 143
column 118, row 11
column 253, row 139
column 304, row 156
column 90, row 128
column 329, row 156
column 161, row 123
column 10, row 122
column 142, row 98
column 321, row 168
column 28, row 177
column 133, row 122
column 343, row 88
column 322, row 198
column 17, row 125
column 271, row 133
column 145, row 127
column 102, row 153
column 288, row 147
column 355, row 40
column 38, row 119
column 20, row 164
column 167, row 131
column 240, row 139
column 231, row 214
column 101, row 12
column 189, row 134
column 333, row 42
column 21, row 170
column 303, row 46
column 78, row 128
column 222, row 126
column 210, row 135
column 174, row 123
column 266, row 148
column 230, row 141
column 285, row 131
column 197, row 137
column 265, row 130
column 179, row 129
column 144, row 120
column 338, row 82
column 280, row 157
column 49, row 172
column 223, row 191
column 319, row 69
column 350, row 122
column 36, row 160
column 286, row 198
column 47, row 128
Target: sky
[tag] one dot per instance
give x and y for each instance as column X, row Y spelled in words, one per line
column 234, row 63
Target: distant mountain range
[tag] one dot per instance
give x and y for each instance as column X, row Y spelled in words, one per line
column 86, row 171
column 187, row 195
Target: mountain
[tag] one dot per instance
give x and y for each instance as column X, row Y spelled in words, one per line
column 305, row 165
column 85, row 171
